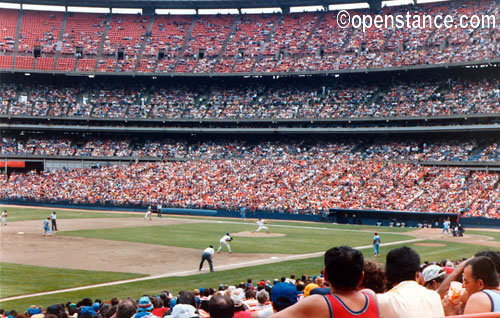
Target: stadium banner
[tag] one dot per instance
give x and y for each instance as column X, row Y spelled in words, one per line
column 13, row 164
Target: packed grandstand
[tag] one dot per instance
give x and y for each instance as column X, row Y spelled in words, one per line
column 444, row 158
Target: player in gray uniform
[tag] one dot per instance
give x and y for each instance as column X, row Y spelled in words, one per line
column 207, row 256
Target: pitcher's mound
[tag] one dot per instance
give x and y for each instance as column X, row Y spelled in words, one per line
column 429, row 244
column 257, row 234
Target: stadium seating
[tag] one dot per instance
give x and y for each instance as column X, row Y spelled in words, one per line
column 40, row 28
column 66, row 64
column 398, row 100
column 299, row 42
column 6, row 61
column 85, row 31
column 8, row 23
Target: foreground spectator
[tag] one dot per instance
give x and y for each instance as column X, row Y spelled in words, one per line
column 433, row 276
column 480, row 280
column 126, row 309
column 221, row 307
column 344, row 272
column 145, row 308
column 407, row 298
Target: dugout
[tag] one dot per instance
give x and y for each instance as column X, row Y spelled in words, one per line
column 372, row 217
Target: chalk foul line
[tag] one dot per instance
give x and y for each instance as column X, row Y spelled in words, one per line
column 192, row 272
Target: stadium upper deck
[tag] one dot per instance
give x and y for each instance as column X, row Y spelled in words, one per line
column 238, row 44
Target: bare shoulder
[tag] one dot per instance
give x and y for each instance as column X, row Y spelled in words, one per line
column 314, row 304
column 369, row 291
column 477, row 303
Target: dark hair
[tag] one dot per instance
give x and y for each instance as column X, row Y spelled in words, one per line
column 107, row 310
column 165, row 299
column 402, row 264
column 282, row 303
column 250, row 293
column 115, row 301
column 343, row 267
column 86, row 302
column 374, row 277
column 126, row 308
column 187, row 298
column 221, row 307
column 493, row 255
column 483, row 268
column 300, row 286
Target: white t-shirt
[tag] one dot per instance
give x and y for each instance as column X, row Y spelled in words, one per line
column 264, row 313
column 260, row 222
column 225, row 238
column 410, row 300
column 209, row 250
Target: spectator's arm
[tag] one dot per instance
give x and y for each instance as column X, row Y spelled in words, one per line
column 303, row 309
column 445, row 286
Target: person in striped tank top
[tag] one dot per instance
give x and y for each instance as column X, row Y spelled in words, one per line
column 344, row 272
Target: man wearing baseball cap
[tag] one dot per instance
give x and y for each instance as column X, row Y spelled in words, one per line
column 433, row 276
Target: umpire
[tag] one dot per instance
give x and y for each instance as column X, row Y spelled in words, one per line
column 207, row 256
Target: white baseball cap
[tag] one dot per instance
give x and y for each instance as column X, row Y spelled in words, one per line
column 432, row 272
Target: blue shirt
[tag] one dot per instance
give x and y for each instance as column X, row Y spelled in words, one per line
column 376, row 239
column 46, row 223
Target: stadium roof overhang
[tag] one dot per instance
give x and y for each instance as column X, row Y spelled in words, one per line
column 186, row 4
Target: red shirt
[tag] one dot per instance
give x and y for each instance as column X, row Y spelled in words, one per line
column 339, row 310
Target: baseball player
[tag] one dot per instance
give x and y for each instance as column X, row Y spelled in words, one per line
column 376, row 245
column 4, row 217
column 260, row 223
column 207, row 256
column 46, row 227
column 225, row 240
column 446, row 227
column 148, row 216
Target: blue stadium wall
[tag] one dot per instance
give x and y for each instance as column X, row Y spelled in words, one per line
column 341, row 216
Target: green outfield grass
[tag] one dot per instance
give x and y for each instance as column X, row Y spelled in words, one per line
column 24, row 279
column 307, row 224
column 27, row 214
column 300, row 238
column 297, row 240
column 313, row 266
column 492, row 234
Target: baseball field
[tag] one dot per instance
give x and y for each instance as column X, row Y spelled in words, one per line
column 103, row 254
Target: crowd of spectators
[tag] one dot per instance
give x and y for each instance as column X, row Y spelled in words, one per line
column 400, row 289
column 276, row 178
column 389, row 150
column 399, row 99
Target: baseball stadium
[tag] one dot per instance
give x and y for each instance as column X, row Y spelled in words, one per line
column 249, row 158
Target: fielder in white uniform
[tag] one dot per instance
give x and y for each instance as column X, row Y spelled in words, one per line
column 260, row 223
column 4, row 217
column 147, row 216
column 225, row 240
